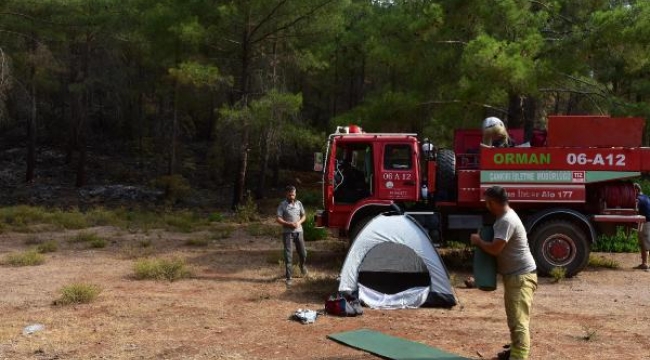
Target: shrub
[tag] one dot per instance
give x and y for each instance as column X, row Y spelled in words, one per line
column 69, row 219
column 175, row 187
column 161, row 269
column 98, row 243
column 78, row 294
column 601, row 261
column 247, row 212
column 23, row 215
column 26, row 258
column 618, row 243
column 558, row 274
column 215, row 217
column 310, row 197
column 311, row 232
column 47, row 247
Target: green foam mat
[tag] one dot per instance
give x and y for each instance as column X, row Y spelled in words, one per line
column 391, row 347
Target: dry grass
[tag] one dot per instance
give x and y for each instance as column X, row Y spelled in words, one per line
column 237, row 306
column 161, row 269
column 78, row 293
column 599, row 261
column 25, row 258
column 49, row 246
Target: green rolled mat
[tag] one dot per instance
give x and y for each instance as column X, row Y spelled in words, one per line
column 485, row 265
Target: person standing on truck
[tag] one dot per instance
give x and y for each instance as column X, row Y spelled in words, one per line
column 495, row 133
column 291, row 215
column 643, row 205
column 516, row 265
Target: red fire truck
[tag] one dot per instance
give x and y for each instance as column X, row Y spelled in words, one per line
column 569, row 185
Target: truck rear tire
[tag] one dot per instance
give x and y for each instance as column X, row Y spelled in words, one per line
column 446, row 176
column 560, row 243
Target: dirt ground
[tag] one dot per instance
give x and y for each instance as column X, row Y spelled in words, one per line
column 237, row 307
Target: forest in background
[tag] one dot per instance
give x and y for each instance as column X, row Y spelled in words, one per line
column 233, row 92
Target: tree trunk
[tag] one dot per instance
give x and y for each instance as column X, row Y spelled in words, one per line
column 171, row 169
column 82, row 100
column 522, row 111
column 276, row 169
column 267, row 140
column 240, row 179
column 31, row 133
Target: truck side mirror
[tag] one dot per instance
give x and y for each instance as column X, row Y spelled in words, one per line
column 318, row 161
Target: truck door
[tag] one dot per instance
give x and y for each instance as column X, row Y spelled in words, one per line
column 397, row 178
column 353, row 178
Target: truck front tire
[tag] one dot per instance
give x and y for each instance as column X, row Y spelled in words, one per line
column 560, row 243
column 446, row 176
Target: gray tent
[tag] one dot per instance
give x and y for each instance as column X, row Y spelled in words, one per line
column 392, row 264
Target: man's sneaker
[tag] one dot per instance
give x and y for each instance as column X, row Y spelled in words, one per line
column 304, row 271
column 642, row 267
column 289, row 282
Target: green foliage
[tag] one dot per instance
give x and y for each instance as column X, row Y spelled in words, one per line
column 310, row 232
column 311, row 197
column 215, row 217
column 78, row 293
column 26, row 258
column 247, row 212
column 618, row 243
column 98, row 243
column 558, row 274
column 71, row 220
column 161, row 269
column 598, row 261
column 412, row 66
column 175, row 187
column 47, row 247
column 23, row 215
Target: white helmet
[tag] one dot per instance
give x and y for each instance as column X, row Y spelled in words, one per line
column 492, row 122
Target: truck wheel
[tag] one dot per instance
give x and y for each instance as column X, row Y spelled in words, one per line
column 560, row 243
column 446, row 175
column 356, row 228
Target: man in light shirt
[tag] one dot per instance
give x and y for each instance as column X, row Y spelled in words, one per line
column 291, row 215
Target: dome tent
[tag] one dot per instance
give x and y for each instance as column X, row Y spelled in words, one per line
column 392, row 264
